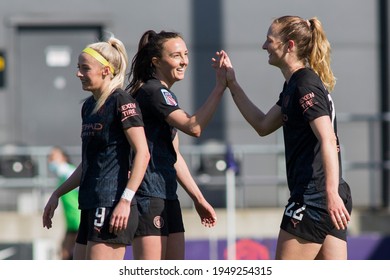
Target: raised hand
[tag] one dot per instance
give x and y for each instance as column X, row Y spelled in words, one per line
column 217, row 64
column 227, row 64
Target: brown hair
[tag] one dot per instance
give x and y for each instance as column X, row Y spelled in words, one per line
column 149, row 46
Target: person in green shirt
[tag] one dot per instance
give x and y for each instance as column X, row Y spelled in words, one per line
column 61, row 166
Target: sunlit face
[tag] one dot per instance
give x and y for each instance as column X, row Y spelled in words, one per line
column 173, row 63
column 91, row 73
column 274, row 46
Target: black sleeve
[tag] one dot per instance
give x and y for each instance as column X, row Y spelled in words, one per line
column 313, row 102
column 280, row 100
column 129, row 111
column 163, row 102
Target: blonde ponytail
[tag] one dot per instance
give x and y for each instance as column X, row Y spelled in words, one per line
column 115, row 53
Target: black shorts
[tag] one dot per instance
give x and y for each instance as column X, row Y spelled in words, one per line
column 158, row 217
column 94, row 226
column 313, row 223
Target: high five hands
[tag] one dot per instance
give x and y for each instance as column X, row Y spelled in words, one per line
column 224, row 68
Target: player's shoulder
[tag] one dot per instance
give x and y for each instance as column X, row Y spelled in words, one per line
column 152, row 85
column 121, row 94
column 306, row 76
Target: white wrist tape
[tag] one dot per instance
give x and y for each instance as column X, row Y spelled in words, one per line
column 128, row 194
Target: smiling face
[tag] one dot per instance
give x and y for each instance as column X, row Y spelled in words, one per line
column 275, row 47
column 92, row 74
column 173, row 63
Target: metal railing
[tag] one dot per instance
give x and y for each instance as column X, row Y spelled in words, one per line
column 42, row 179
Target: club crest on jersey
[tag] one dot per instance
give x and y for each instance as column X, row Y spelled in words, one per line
column 169, row 99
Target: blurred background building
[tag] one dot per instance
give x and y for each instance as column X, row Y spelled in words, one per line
column 40, row 102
